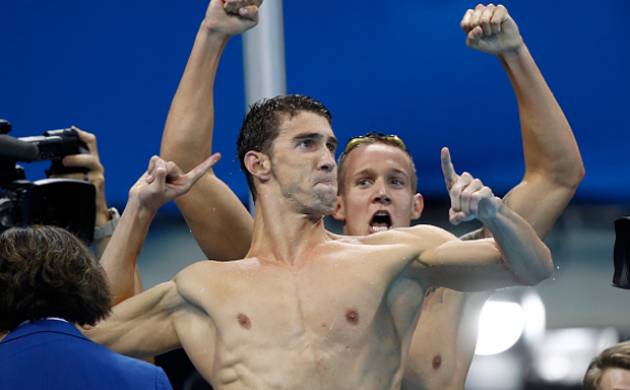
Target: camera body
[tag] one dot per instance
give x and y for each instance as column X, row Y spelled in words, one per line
column 66, row 203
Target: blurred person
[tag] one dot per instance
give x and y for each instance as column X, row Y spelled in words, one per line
column 378, row 184
column 610, row 370
column 51, row 284
column 106, row 217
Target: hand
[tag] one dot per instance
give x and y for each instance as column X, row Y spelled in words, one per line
column 470, row 199
column 95, row 175
column 491, row 29
column 232, row 17
column 164, row 181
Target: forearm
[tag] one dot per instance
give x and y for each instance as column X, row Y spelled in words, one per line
column 119, row 258
column 100, row 246
column 218, row 221
column 549, row 145
column 187, row 137
column 527, row 256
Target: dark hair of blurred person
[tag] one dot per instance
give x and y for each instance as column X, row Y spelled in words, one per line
column 46, row 271
column 51, row 284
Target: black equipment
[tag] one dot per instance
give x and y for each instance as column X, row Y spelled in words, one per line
column 66, row 203
column 621, row 277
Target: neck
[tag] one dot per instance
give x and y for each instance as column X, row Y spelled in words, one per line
column 284, row 235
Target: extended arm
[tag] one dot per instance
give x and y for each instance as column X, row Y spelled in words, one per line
column 553, row 165
column 515, row 256
column 144, row 325
column 218, row 220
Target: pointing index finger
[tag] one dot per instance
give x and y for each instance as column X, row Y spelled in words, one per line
column 448, row 170
column 202, row 168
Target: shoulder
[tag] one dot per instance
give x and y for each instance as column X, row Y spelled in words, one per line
column 208, row 278
column 423, row 235
column 93, row 365
column 209, row 270
column 142, row 374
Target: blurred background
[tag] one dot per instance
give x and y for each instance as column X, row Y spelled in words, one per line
column 396, row 67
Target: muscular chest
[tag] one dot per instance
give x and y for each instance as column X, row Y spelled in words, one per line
column 324, row 302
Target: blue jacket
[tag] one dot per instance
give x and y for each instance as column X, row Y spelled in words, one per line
column 50, row 354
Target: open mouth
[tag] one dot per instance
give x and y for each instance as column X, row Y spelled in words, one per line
column 380, row 222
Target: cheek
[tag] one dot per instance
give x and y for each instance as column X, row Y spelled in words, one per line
column 356, row 208
column 404, row 210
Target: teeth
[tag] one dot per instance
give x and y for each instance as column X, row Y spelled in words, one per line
column 377, row 229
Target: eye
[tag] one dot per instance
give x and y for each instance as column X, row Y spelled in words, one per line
column 306, row 144
column 331, row 146
column 397, row 182
column 363, row 182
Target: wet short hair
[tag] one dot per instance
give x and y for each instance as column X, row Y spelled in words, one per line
column 370, row 138
column 261, row 124
column 45, row 271
column 617, row 356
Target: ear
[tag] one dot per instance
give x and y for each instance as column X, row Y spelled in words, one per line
column 258, row 165
column 417, row 206
column 340, row 212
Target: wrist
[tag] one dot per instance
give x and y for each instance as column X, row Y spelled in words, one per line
column 106, row 229
column 139, row 208
column 212, row 30
column 492, row 212
column 513, row 53
column 103, row 216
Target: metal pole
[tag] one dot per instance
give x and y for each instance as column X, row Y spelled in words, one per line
column 263, row 57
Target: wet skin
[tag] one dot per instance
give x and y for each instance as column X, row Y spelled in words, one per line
column 304, row 309
column 378, row 178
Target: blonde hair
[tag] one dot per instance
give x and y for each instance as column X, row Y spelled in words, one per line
column 617, row 356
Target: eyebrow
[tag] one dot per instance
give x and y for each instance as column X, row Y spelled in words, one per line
column 317, row 137
column 400, row 171
column 371, row 171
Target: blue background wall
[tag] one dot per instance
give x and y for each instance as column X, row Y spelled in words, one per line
column 113, row 67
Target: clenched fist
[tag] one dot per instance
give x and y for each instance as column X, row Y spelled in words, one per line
column 232, row 17
column 491, row 29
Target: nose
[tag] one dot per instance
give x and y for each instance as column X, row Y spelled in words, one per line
column 381, row 195
column 327, row 161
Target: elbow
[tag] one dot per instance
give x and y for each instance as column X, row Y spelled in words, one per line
column 577, row 175
column 572, row 175
column 542, row 270
column 567, row 175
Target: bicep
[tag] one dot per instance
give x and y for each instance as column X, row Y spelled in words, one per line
column 143, row 325
column 465, row 266
column 540, row 201
column 218, row 220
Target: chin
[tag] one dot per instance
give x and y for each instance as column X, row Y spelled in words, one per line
column 326, row 200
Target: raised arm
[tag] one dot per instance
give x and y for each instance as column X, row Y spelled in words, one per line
column 218, row 220
column 514, row 256
column 162, row 182
column 553, row 165
column 146, row 324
